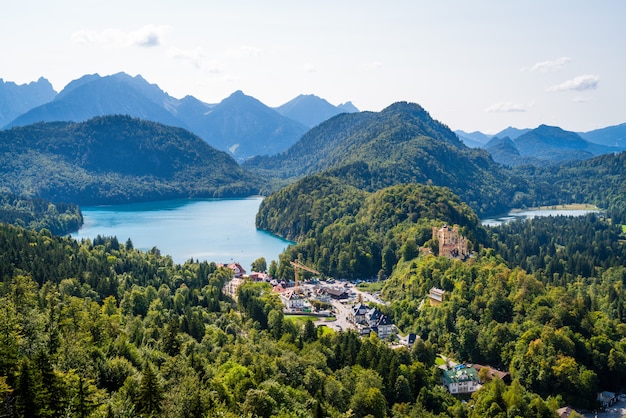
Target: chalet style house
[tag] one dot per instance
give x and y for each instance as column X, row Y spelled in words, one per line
column 372, row 320
column 451, row 243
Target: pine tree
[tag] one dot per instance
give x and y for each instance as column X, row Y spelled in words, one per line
column 150, row 394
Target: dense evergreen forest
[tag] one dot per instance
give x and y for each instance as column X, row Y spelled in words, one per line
column 100, row 329
column 600, row 181
column 37, row 214
column 348, row 233
column 116, row 159
column 97, row 328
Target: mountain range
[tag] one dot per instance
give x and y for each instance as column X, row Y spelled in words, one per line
column 240, row 124
column 244, row 127
column 17, row 99
column 400, row 144
column 311, row 110
column 546, row 144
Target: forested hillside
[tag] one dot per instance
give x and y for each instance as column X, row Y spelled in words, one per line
column 38, row 214
column 401, row 144
column 98, row 329
column 346, row 232
column 600, row 181
column 116, row 159
column 558, row 327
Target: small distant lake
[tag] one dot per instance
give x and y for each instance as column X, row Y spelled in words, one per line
column 532, row 213
column 219, row 230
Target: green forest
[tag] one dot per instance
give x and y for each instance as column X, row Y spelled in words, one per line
column 116, row 159
column 99, row 329
column 38, row 213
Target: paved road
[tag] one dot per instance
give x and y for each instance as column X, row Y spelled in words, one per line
column 618, row 410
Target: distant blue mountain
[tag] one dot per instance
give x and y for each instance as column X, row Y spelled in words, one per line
column 544, row 145
column 474, row 139
column 614, row 136
column 240, row 124
column 17, row 99
column 311, row 110
column 245, row 127
column 92, row 95
column 512, row 133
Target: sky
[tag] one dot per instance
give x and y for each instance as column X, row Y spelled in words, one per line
column 473, row 65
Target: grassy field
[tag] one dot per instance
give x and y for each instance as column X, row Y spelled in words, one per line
column 370, row 287
column 300, row 318
column 571, row 206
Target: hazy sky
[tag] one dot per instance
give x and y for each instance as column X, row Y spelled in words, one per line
column 474, row 65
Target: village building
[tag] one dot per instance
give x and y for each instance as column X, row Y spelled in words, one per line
column 451, row 243
column 461, row 379
column 565, row 412
column 410, row 340
column 231, row 286
column 236, row 268
column 335, row 292
column 259, row 276
column 358, row 313
column 372, row 320
column 321, row 295
column 436, row 296
column 607, row 399
column 494, row 373
column 238, row 271
column 293, row 301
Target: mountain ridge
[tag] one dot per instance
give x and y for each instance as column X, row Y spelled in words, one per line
column 16, row 99
column 116, row 159
column 311, row 110
column 400, row 144
column 93, row 95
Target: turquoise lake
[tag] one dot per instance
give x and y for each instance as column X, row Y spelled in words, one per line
column 532, row 213
column 219, row 230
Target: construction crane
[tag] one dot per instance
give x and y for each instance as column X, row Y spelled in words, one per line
column 296, row 266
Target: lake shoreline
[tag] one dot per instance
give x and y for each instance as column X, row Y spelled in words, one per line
column 220, row 230
column 569, row 206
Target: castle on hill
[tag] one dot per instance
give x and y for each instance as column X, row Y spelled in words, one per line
column 451, row 243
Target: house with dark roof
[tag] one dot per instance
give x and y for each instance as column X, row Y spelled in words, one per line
column 607, row 398
column 358, row 314
column 372, row 320
column 410, row 340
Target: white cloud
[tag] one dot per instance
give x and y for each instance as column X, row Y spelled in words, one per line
column 197, row 58
column 580, row 83
column 147, row 36
column 551, row 65
column 507, row 107
column 245, row 51
column 309, row 68
column 373, row 65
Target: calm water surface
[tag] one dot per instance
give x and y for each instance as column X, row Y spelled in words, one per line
column 528, row 214
column 220, row 230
